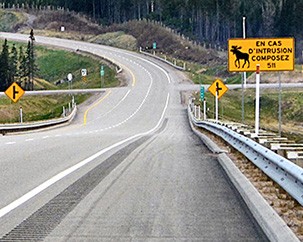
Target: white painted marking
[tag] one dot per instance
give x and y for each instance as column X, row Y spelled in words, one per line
column 10, row 143
column 153, row 64
column 28, row 140
column 5, row 210
column 116, row 104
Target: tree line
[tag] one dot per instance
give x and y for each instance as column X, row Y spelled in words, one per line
column 212, row 21
column 18, row 65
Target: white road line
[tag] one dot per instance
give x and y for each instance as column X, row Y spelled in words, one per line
column 116, row 105
column 28, row 140
column 11, row 143
column 5, row 210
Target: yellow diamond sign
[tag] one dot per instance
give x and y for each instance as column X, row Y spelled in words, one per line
column 218, row 88
column 14, row 92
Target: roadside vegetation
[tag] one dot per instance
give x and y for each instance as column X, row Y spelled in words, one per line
column 36, row 108
column 11, row 20
column 230, row 108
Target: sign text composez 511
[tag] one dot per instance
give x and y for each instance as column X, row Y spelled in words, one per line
column 276, row 54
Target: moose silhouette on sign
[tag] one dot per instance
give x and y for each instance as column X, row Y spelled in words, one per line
column 240, row 56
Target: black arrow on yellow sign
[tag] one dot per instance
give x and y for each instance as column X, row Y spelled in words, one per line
column 218, row 88
column 14, row 92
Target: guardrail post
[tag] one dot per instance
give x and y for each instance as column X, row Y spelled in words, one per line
column 204, row 109
column 195, row 111
column 21, row 115
column 69, row 107
column 64, row 114
column 199, row 112
column 191, row 105
column 73, row 101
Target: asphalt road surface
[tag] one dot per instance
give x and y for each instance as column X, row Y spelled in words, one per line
column 128, row 169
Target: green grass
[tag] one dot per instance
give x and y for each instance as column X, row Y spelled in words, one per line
column 231, row 105
column 36, row 107
column 54, row 65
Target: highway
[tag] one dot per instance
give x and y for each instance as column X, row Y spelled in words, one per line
column 128, row 169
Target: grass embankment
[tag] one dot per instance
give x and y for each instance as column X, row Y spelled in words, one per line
column 230, row 108
column 36, row 108
column 54, row 65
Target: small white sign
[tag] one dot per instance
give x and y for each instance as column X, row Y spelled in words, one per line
column 70, row 76
column 62, row 28
column 84, row 72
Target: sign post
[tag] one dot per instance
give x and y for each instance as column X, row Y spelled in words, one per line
column 257, row 112
column 280, row 105
column 217, row 107
column 84, row 74
column 102, row 75
column 244, row 76
column 244, row 37
column 202, row 98
column 70, row 79
column 154, row 47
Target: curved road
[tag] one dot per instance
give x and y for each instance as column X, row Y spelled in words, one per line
column 132, row 170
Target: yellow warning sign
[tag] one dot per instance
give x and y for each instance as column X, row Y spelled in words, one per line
column 218, row 87
column 14, row 92
column 275, row 54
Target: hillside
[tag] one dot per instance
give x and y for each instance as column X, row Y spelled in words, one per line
column 131, row 35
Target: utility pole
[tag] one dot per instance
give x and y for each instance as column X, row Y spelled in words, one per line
column 244, row 76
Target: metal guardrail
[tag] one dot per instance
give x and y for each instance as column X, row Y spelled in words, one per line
column 17, row 127
column 287, row 174
column 163, row 60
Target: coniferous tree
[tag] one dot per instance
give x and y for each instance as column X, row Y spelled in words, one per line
column 13, row 63
column 22, row 73
column 4, row 67
column 27, row 72
column 31, row 65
